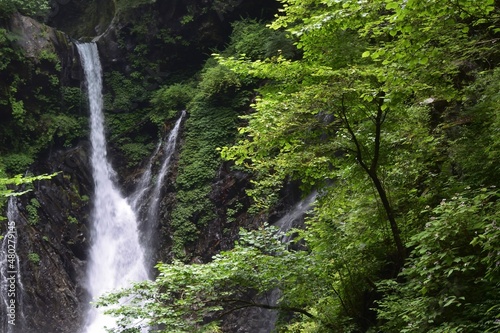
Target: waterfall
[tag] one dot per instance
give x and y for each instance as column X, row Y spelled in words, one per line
column 295, row 216
column 151, row 225
column 168, row 153
column 138, row 199
column 116, row 257
column 11, row 286
column 263, row 320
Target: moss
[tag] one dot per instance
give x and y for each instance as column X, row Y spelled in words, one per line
column 211, row 124
column 34, row 258
column 32, row 209
column 124, row 5
column 72, row 220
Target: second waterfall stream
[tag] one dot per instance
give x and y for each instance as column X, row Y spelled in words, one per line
column 116, row 256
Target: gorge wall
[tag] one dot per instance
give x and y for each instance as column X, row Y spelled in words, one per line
column 148, row 49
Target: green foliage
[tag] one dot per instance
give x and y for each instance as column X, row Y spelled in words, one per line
column 206, row 128
column 6, row 50
column 211, row 124
column 61, row 128
column 255, row 40
column 35, row 116
column 121, row 124
column 51, row 57
column 183, row 296
column 476, row 147
column 72, row 220
column 450, row 283
column 32, row 209
column 186, row 19
column 125, row 93
column 18, row 180
column 232, row 212
column 168, row 100
column 357, row 120
column 218, row 81
column 17, row 163
column 213, row 110
column 72, row 98
column 135, row 152
column 35, row 8
column 34, row 258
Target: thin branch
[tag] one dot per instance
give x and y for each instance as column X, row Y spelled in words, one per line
column 378, row 133
column 359, row 154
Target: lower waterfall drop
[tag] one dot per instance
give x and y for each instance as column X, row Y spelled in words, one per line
column 116, row 257
column 264, row 320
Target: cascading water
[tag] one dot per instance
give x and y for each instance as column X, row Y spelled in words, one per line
column 295, row 216
column 137, row 198
column 116, row 257
column 11, row 286
column 263, row 320
column 168, row 153
column 151, row 222
column 143, row 191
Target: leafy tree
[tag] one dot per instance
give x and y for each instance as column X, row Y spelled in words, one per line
column 184, row 296
column 366, row 116
column 6, row 184
column 35, row 8
column 453, row 266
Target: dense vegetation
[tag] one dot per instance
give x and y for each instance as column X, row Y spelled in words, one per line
column 391, row 113
column 35, row 8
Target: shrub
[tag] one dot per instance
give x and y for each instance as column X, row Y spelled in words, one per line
column 34, row 258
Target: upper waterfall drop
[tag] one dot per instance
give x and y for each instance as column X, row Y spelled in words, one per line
column 116, row 257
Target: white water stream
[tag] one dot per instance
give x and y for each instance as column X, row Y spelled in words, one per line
column 168, row 152
column 116, row 256
column 137, row 198
column 11, row 285
column 145, row 189
column 295, row 216
column 263, row 320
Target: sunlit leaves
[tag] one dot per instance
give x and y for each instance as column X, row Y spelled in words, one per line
column 184, row 296
column 19, row 180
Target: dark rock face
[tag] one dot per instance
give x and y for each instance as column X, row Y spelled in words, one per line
column 177, row 34
column 52, row 242
column 53, row 216
column 35, row 38
column 79, row 18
